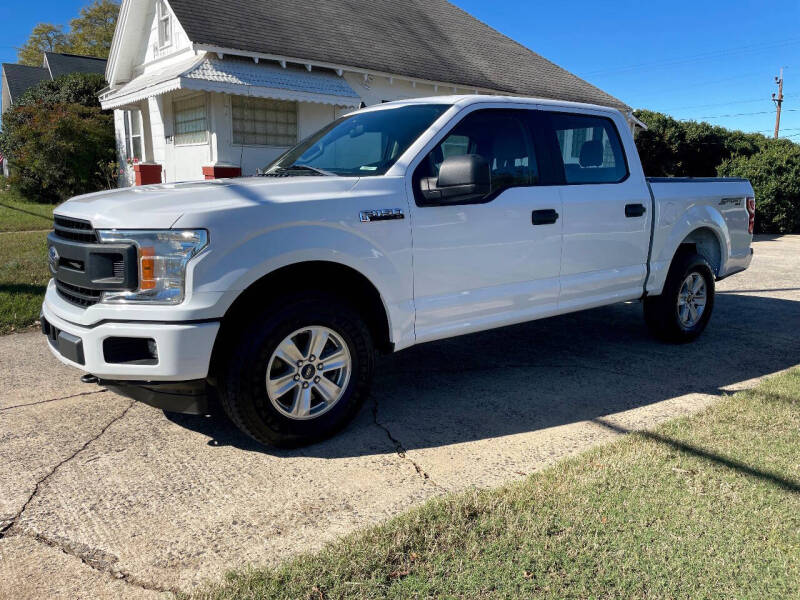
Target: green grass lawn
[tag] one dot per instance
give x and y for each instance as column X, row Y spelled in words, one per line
column 23, row 278
column 23, row 259
column 703, row 507
column 17, row 214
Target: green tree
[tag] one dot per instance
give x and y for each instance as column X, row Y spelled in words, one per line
column 45, row 37
column 58, row 140
column 92, row 32
column 774, row 173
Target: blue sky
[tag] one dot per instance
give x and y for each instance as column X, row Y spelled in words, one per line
column 694, row 60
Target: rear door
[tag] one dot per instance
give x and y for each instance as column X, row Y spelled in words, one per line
column 606, row 211
column 484, row 263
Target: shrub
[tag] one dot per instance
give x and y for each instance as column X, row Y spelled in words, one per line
column 775, row 175
column 57, row 149
column 58, row 140
column 672, row 148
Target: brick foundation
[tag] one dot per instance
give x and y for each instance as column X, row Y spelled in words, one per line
column 221, row 172
column 147, row 173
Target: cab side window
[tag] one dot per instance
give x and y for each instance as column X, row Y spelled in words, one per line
column 500, row 137
column 590, row 147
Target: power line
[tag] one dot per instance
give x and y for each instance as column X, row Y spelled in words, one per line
column 705, row 84
column 745, row 114
column 719, row 104
column 721, row 53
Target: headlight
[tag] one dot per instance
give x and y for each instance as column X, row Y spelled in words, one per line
column 162, row 259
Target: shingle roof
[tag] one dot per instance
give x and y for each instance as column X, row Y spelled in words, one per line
column 20, row 78
column 63, row 64
column 425, row 39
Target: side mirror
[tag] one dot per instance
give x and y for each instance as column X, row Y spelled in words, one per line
column 462, row 179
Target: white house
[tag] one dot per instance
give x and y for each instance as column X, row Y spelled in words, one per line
column 203, row 88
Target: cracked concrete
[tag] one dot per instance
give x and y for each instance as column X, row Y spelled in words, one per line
column 13, row 521
column 398, row 446
column 100, row 498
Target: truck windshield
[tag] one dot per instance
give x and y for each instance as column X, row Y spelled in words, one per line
column 360, row 145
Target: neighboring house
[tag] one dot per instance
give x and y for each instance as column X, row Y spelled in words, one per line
column 216, row 89
column 18, row 79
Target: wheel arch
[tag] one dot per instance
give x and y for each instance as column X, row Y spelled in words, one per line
column 314, row 275
column 705, row 242
column 701, row 229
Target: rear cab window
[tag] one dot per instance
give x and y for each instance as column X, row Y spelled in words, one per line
column 590, row 149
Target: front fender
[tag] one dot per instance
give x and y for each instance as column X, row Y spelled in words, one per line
column 384, row 261
column 672, row 228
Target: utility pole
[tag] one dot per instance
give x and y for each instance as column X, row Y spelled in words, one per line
column 778, row 100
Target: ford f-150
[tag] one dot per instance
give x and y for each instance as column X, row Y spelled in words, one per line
column 395, row 225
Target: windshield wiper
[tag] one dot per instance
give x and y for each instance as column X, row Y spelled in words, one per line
column 297, row 169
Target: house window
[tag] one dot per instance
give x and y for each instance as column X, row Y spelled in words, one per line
column 190, row 120
column 164, row 25
column 261, row 122
column 133, row 135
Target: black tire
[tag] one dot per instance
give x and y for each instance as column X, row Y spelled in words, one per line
column 661, row 312
column 243, row 388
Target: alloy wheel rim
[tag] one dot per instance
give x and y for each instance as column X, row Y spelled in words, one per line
column 308, row 373
column 692, row 299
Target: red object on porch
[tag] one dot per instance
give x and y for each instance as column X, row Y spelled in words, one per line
column 147, row 173
column 221, row 172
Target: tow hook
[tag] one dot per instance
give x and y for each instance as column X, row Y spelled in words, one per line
column 89, row 379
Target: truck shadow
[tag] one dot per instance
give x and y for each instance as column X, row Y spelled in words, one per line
column 548, row 373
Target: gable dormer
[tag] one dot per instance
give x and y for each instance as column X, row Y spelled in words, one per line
column 147, row 32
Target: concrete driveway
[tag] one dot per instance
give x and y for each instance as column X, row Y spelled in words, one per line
column 102, row 497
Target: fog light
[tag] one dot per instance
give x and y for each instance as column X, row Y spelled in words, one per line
column 130, row 351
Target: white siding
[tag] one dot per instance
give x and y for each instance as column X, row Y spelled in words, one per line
column 180, row 41
column 126, row 173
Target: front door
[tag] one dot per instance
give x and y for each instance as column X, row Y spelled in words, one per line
column 493, row 260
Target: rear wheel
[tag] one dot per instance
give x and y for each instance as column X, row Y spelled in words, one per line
column 682, row 311
column 300, row 373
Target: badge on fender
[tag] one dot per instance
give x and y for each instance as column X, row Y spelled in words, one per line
column 384, row 214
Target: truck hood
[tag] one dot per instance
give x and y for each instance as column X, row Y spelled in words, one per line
column 160, row 206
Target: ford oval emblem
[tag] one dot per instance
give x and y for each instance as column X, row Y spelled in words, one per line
column 52, row 259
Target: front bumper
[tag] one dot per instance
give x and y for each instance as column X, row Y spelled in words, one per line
column 184, row 349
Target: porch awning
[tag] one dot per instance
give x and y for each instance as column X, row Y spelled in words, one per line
column 238, row 76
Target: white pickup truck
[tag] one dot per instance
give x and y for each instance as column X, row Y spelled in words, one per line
column 395, row 225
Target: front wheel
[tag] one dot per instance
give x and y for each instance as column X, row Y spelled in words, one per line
column 682, row 311
column 300, row 373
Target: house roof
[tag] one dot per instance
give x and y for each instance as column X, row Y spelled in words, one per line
column 64, row 64
column 424, row 39
column 238, row 76
column 20, row 78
